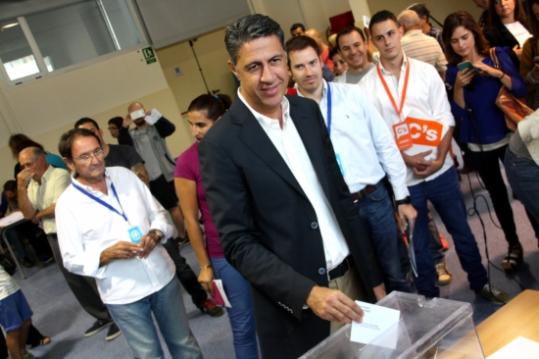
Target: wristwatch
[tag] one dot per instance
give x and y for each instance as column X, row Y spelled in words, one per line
column 405, row 200
column 156, row 234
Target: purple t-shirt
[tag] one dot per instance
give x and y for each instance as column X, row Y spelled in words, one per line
column 188, row 167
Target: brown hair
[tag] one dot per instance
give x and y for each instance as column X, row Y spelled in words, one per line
column 299, row 43
column 533, row 22
column 464, row 19
column 493, row 19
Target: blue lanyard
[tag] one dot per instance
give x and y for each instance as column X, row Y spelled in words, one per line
column 329, row 109
column 103, row 203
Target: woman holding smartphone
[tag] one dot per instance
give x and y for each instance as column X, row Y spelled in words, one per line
column 202, row 114
column 529, row 61
column 481, row 124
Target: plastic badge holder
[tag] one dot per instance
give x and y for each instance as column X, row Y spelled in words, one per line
column 428, row 329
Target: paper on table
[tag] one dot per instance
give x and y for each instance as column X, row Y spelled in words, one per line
column 377, row 320
column 518, row 348
column 11, row 218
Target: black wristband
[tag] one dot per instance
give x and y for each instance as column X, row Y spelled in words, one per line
column 405, row 200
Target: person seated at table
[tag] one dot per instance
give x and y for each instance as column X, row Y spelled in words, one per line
column 27, row 239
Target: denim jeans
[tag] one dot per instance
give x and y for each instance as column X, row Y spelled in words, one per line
column 376, row 209
column 523, row 175
column 140, row 332
column 241, row 314
column 444, row 193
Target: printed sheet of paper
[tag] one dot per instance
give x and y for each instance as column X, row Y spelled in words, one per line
column 219, row 294
column 519, row 348
column 11, row 218
column 377, row 321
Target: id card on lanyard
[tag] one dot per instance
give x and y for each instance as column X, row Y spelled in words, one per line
column 134, row 232
column 329, row 119
column 400, row 129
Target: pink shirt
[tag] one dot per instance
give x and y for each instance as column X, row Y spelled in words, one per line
column 188, row 167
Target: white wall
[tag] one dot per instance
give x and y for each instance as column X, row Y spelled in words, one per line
column 312, row 13
column 45, row 108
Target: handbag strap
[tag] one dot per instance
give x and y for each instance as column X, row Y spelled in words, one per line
column 494, row 57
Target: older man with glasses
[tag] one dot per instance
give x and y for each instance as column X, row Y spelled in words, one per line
column 38, row 187
column 110, row 227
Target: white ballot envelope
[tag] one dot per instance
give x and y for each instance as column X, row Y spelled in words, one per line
column 377, row 321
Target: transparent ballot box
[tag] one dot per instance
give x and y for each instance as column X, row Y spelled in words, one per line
column 427, row 329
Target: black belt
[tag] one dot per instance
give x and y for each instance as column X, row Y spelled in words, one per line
column 359, row 195
column 341, row 269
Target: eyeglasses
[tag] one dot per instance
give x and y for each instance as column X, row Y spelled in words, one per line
column 97, row 153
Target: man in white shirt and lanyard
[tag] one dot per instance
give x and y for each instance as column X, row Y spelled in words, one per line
column 358, row 132
column 39, row 185
column 110, row 228
column 411, row 97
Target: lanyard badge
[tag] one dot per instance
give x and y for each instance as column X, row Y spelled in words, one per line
column 135, row 234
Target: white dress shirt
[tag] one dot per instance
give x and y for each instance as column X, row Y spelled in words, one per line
column 8, row 286
column 291, row 148
column 426, row 99
column 43, row 195
column 363, row 144
column 86, row 228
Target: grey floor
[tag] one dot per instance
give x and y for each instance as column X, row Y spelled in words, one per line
column 57, row 314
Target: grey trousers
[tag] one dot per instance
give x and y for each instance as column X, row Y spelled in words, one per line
column 84, row 288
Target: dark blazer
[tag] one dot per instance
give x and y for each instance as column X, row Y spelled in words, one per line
column 268, row 227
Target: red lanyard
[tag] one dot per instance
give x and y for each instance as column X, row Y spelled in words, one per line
column 404, row 89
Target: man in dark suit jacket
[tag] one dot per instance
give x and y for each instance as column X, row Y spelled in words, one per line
column 285, row 217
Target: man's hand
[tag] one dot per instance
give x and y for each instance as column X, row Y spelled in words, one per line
column 24, row 176
column 120, row 250
column 205, row 277
column 148, row 243
column 406, row 212
column 334, row 305
column 432, row 167
column 418, row 160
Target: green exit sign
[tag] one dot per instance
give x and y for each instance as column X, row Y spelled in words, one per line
column 149, row 55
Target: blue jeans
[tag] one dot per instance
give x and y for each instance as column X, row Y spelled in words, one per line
column 241, row 314
column 523, row 175
column 376, row 209
column 444, row 193
column 138, row 328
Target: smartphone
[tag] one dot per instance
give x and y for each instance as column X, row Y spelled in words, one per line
column 464, row 65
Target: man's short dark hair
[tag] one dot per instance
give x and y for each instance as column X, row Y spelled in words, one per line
column 116, row 121
column 10, row 185
column 249, row 28
column 421, row 10
column 67, row 139
column 84, row 120
column 297, row 25
column 348, row 30
column 299, row 43
column 382, row 16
